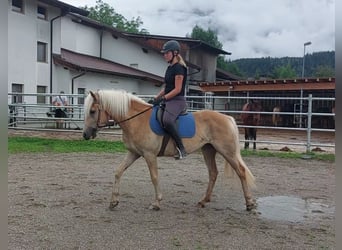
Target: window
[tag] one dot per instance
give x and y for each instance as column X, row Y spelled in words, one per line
column 80, row 91
column 17, row 88
column 18, row 6
column 41, row 12
column 41, row 98
column 41, row 52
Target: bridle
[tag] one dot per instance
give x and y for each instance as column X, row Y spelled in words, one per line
column 110, row 121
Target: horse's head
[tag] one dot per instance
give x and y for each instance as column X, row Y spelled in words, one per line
column 95, row 116
column 251, row 118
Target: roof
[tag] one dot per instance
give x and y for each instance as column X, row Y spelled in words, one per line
column 222, row 75
column 270, row 85
column 153, row 42
column 96, row 24
column 86, row 63
column 65, row 7
column 157, row 41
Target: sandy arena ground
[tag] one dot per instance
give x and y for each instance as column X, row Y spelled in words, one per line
column 60, row 201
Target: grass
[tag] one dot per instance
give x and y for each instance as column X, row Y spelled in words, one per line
column 39, row 145
column 289, row 155
column 17, row 144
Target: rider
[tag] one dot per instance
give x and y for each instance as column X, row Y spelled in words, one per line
column 172, row 94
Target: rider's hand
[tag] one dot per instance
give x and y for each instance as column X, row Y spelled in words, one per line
column 158, row 100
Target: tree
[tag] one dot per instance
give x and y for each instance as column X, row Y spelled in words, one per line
column 106, row 14
column 324, row 71
column 284, row 72
column 208, row 36
column 228, row 66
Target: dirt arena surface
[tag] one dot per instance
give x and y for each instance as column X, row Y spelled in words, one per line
column 60, row 201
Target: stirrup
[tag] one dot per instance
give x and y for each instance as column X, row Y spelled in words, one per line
column 181, row 154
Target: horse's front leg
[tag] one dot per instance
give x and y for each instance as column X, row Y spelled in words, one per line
column 246, row 138
column 129, row 159
column 254, row 138
column 151, row 161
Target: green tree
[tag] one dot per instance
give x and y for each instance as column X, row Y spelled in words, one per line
column 209, row 36
column 284, row 72
column 228, row 66
column 106, row 14
column 324, row 71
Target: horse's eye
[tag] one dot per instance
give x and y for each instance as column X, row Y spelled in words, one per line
column 92, row 112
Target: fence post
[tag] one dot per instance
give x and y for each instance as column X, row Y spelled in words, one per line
column 309, row 115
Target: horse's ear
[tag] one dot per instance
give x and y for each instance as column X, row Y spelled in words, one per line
column 93, row 95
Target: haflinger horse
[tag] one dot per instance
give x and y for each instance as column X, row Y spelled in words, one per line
column 251, row 117
column 285, row 120
column 214, row 133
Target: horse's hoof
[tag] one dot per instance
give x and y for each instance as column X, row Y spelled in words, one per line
column 201, row 204
column 113, row 204
column 251, row 207
column 154, row 207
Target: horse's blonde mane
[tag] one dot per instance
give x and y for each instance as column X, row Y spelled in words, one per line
column 116, row 102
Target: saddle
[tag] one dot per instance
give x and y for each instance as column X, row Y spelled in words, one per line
column 185, row 123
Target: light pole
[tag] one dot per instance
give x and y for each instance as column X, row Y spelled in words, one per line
column 301, row 89
column 305, row 44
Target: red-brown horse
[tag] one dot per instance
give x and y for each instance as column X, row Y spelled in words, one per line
column 251, row 117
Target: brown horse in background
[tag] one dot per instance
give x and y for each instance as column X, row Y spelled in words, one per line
column 251, row 117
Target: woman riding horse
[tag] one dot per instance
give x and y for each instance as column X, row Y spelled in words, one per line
column 214, row 133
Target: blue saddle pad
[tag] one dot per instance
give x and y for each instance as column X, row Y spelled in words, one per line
column 185, row 124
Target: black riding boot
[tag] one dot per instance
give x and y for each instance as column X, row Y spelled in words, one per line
column 172, row 130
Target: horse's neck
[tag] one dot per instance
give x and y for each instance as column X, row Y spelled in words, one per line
column 136, row 107
column 135, row 117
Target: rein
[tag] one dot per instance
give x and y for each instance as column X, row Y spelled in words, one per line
column 110, row 123
column 133, row 116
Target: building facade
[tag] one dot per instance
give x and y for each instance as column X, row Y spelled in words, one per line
column 54, row 46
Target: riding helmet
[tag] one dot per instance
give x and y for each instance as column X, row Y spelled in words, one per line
column 171, row 45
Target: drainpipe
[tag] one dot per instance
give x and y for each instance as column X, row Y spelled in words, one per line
column 51, row 47
column 101, row 38
column 72, row 85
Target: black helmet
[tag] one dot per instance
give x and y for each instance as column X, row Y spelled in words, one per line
column 171, row 45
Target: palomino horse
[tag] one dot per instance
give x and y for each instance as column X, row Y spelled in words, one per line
column 251, row 117
column 215, row 133
column 276, row 119
column 285, row 120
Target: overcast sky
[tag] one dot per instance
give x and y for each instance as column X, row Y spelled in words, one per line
column 247, row 29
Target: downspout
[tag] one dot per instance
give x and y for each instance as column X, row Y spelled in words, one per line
column 51, row 48
column 72, row 85
column 101, row 38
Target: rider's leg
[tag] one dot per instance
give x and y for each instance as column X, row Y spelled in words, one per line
column 172, row 131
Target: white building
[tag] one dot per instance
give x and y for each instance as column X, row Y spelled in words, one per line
column 53, row 46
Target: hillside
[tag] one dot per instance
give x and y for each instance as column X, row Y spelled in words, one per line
column 317, row 64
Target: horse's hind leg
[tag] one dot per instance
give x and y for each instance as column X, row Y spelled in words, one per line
column 129, row 159
column 246, row 178
column 254, row 138
column 209, row 153
column 246, row 138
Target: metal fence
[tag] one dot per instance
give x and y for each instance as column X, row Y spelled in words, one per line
column 28, row 115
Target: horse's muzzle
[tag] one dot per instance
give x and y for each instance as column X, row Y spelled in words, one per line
column 90, row 133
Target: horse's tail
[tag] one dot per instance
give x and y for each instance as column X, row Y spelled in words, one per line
column 228, row 170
